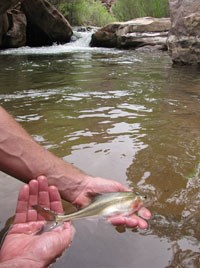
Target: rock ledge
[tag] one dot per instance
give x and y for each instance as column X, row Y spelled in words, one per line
column 134, row 34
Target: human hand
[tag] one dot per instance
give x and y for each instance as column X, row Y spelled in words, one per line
column 21, row 244
column 94, row 186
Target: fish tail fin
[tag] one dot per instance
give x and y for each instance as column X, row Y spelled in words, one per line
column 46, row 213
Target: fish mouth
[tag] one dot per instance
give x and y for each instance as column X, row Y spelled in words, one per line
column 143, row 197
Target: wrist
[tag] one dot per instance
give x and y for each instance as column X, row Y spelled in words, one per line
column 69, row 180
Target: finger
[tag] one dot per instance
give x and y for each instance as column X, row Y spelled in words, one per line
column 66, row 233
column 33, row 200
column 68, row 227
column 55, row 200
column 82, row 201
column 43, row 194
column 144, row 213
column 33, row 192
column 130, row 222
column 22, row 205
column 98, row 186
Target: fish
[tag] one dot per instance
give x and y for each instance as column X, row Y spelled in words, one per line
column 106, row 205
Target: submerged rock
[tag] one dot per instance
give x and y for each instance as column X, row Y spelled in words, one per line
column 133, row 34
column 184, row 36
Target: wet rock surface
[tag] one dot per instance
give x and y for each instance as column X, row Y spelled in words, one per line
column 134, row 34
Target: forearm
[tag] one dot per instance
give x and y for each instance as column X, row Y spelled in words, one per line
column 23, row 158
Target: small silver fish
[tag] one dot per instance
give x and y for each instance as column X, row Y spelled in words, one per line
column 107, row 204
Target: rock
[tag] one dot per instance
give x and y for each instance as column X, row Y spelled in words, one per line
column 184, row 35
column 4, row 22
column 133, row 34
column 4, row 26
column 16, row 34
column 5, row 5
column 104, row 39
column 137, row 40
column 45, row 24
column 33, row 23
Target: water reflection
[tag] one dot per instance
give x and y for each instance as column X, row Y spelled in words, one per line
column 122, row 115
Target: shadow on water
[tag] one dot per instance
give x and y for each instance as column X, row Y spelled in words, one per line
column 123, row 115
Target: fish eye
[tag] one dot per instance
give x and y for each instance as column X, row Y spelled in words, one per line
column 138, row 194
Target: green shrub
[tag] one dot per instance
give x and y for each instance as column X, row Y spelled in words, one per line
column 158, row 8
column 90, row 12
column 129, row 9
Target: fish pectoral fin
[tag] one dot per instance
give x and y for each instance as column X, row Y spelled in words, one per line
column 46, row 213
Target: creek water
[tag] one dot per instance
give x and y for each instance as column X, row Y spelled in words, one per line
column 126, row 115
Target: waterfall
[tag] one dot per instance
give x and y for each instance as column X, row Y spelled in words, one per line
column 81, row 39
column 80, row 42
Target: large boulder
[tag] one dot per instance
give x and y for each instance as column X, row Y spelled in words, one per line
column 5, row 5
column 33, row 23
column 4, row 22
column 4, row 26
column 15, row 36
column 133, row 34
column 184, row 36
column 45, row 24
